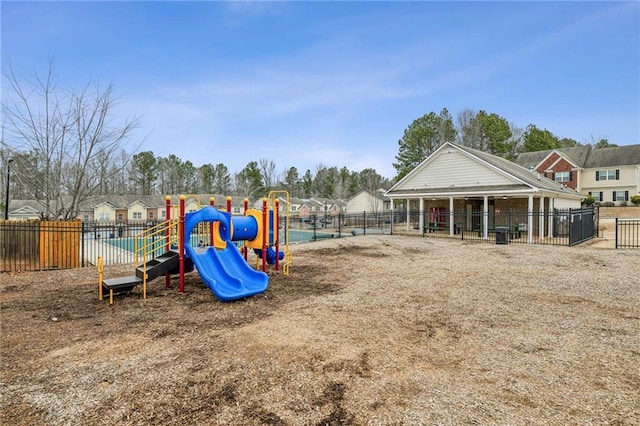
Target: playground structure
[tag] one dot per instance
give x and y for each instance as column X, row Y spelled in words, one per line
column 205, row 239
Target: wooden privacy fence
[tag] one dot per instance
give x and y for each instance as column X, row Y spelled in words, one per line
column 39, row 245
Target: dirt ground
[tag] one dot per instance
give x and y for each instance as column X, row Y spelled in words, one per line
column 380, row 330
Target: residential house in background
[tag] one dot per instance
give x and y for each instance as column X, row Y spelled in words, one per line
column 297, row 207
column 610, row 175
column 24, row 210
column 152, row 208
column 367, row 201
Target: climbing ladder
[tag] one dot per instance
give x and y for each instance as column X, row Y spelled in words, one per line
column 147, row 245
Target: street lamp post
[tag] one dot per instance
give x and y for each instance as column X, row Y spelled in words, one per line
column 6, row 199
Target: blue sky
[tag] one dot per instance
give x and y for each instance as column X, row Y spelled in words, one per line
column 336, row 83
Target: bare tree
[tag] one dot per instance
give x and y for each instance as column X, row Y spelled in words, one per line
column 470, row 129
column 515, row 141
column 69, row 132
column 372, row 182
column 268, row 173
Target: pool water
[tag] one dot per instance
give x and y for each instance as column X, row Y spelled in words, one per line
column 128, row 243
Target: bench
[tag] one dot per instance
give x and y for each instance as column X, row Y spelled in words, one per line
column 442, row 226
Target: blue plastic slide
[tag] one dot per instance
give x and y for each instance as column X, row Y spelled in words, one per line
column 224, row 271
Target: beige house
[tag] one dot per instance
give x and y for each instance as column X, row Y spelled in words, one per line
column 138, row 211
column 610, row 175
column 476, row 186
column 24, row 212
column 105, row 212
column 366, row 201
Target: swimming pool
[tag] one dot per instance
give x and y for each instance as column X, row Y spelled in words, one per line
column 129, row 243
column 298, row 236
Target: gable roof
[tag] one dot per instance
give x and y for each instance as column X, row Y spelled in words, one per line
column 295, row 201
column 514, row 176
column 16, row 206
column 24, row 210
column 575, row 154
column 614, row 156
column 585, row 156
column 532, row 179
column 379, row 194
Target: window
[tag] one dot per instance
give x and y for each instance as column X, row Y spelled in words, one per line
column 119, row 217
column 562, row 176
column 150, row 215
column 104, row 216
column 137, row 215
column 608, row 175
column 599, row 196
column 163, row 214
column 85, row 217
column 620, row 195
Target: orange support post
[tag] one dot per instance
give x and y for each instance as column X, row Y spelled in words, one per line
column 181, row 241
column 212, row 203
column 265, row 232
column 276, row 232
column 167, row 277
column 244, row 247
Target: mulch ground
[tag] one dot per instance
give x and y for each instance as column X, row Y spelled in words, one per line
column 366, row 330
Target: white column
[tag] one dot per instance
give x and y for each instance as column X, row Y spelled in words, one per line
column 530, row 220
column 485, row 218
column 408, row 214
column 391, row 218
column 451, row 218
column 421, row 218
column 541, row 218
column 550, row 217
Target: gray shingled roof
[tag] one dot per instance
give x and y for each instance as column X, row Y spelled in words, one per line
column 586, row 156
column 520, row 172
column 615, row 156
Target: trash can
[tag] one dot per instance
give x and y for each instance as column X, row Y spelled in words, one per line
column 502, row 235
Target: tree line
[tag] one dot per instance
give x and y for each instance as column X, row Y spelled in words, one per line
column 481, row 130
column 67, row 145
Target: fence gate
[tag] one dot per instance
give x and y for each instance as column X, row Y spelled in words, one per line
column 39, row 245
column 60, row 244
column 581, row 225
column 627, row 233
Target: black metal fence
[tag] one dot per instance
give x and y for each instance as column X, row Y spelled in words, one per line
column 39, row 245
column 556, row 227
column 627, row 233
column 317, row 227
column 33, row 245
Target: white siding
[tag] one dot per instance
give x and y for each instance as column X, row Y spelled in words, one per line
column 362, row 202
column 628, row 179
column 451, row 167
column 562, row 203
column 136, row 208
column 104, row 212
